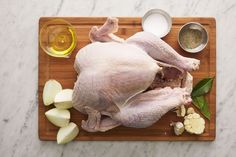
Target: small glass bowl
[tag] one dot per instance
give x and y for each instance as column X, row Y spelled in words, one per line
column 58, row 32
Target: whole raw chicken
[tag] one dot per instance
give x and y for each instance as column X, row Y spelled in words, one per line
column 129, row 82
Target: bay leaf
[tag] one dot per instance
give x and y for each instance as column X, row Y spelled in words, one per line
column 201, row 103
column 202, row 87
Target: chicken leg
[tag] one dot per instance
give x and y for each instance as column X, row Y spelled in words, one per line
column 160, row 50
column 105, row 32
column 146, row 108
column 95, row 122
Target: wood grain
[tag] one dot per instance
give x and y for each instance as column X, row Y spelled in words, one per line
column 62, row 70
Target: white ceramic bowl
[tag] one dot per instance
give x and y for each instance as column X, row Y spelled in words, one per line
column 162, row 13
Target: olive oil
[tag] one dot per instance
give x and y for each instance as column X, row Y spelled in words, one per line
column 61, row 40
column 58, row 38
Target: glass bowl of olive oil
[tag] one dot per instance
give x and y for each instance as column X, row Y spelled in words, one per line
column 58, row 38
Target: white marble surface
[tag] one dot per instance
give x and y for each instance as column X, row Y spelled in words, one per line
column 19, row 72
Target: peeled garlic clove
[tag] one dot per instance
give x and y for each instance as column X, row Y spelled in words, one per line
column 58, row 117
column 63, row 99
column 67, row 134
column 51, row 88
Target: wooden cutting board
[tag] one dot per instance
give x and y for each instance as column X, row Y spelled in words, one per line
column 62, row 70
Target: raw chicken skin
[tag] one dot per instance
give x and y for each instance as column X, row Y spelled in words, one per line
column 131, row 83
column 113, row 73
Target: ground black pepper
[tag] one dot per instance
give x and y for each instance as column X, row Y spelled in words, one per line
column 191, row 38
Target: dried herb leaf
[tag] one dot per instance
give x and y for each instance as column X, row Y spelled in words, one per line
column 205, row 111
column 201, row 103
column 202, row 87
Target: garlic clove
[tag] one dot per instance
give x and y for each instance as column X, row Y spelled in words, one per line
column 178, row 128
column 180, row 111
column 190, row 110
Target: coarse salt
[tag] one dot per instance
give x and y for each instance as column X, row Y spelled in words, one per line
column 157, row 24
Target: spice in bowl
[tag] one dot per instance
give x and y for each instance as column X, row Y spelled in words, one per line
column 193, row 37
column 157, row 22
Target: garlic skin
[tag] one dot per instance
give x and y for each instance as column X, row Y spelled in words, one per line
column 190, row 110
column 194, row 124
column 178, row 128
column 180, row 111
